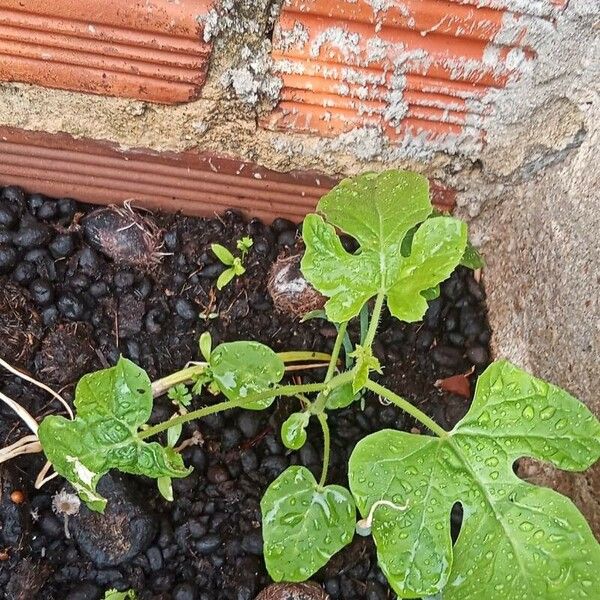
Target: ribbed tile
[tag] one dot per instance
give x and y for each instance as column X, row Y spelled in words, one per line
column 196, row 184
column 146, row 50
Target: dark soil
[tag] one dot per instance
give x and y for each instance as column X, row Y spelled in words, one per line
column 206, row 545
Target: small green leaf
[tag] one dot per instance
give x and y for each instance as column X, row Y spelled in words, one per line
column 112, row 405
column 180, row 394
column 205, row 345
column 471, row 258
column 115, row 595
column 241, row 369
column 238, row 267
column 341, row 396
column 517, row 540
column 165, row 487
column 245, row 244
column 173, row 434
column 222, row 254
column 365, row 363
column 304, row 525
column 378, row 210
column 293, row 430
column 225, row 277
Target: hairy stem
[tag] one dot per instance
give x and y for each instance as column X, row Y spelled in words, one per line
column 326, row 447
column 408, row 407
column 374, row 320
column 336, row 351
column 286, row 390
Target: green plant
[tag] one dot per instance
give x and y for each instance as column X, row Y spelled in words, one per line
column 115, row 595
column 517, row 540
column 235, row 263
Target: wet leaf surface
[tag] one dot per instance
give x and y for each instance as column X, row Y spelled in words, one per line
column 378, row 210
column 517, row 541
column 111, row 406
column 304, row 525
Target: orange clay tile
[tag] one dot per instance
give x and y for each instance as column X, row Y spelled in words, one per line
column 421, row 69
column 196, row 184
column 142, row 49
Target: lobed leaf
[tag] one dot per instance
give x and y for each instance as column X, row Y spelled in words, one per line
column 111, row 406
column 379, row 210
column 304, row 525
column 517, row 540
column 241, row 369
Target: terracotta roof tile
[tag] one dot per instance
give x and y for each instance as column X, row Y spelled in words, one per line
column 146, row 50
column 422, row 68
column 197, row 184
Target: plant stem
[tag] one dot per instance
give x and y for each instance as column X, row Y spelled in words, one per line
column 318, row 406
column 326, row 447
column 374, row 320
column 161, row 386
column 336, row 351
column 300, row 355
column 408, row 407
column 285, row 390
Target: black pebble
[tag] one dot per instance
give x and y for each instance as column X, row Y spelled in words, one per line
column 66, row 208
column 185, row 309
column 62, row 245
column 171, row 240
column 33, row 235
column 249, row 423
column 5, row 236
column 252, row 543
column 48, row 210
column 208, row 543
column 217, row 474
column 123, row 279
column 8, row 258
column 8, row 218
column 478, row 355
column 24, row 273
column 184, row 591
column 42, row 291
column 446, row 356
column 85, row 591
column 98, row 289
column 279, row 225
column 155, row 558
column 50, row 315
column 70, row 306
column 286, row 238
column 51, row 526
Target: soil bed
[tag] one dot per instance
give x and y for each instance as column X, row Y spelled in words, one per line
column 83, row 309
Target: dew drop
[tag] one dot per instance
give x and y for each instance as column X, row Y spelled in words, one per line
column 528, row 412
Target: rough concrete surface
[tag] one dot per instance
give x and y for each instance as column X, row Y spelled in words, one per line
column 531, row 193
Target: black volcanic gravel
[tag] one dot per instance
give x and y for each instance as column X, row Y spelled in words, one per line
column 206, row 545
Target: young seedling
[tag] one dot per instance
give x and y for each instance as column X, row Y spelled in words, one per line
column 115, row 595
column 235, row 264
column 517, row 541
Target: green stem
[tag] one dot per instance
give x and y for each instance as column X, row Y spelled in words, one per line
column 326, row 447
column 285, row 390
column 336, row 351
column 374, row 320
column 300, row 355
column 161, row 386
column 408, row 407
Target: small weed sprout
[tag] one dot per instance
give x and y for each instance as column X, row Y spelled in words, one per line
column 116, row 595
column 403, row 484
column 235, row 264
